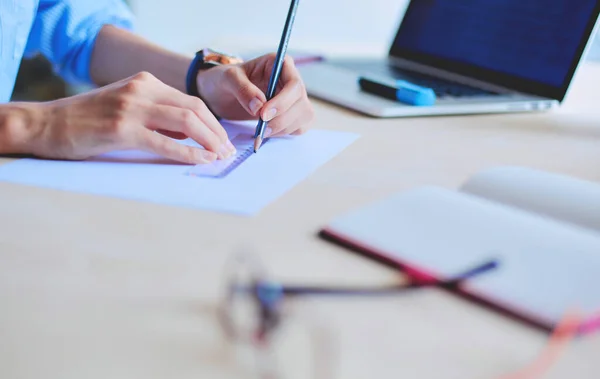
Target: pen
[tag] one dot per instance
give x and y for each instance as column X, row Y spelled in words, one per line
column 276, row 73
column 399, row 90
column 473, row 272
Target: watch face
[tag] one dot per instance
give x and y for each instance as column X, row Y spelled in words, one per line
column 214, row 57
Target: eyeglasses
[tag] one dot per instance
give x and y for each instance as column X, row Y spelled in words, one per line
column 253, row 314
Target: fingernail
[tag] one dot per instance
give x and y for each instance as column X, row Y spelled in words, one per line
column 270, row 114
column 255, row 105
column 230, row 147
column 268, row 132
column 203, row 157
column 224, row 152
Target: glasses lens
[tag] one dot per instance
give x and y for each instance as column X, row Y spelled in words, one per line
column 295, row 346
column 304, row 345
column 241, row 313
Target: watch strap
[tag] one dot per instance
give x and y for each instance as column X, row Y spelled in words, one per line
column 191, row 82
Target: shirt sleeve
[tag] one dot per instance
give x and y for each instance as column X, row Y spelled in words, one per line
column 64, row 31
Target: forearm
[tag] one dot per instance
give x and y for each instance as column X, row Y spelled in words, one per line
column 18, row 121
column 119, row 54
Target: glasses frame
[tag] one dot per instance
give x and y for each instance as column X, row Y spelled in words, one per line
column 269, row 297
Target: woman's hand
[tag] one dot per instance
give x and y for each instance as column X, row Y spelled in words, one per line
column 237, row 92
column 139, row 112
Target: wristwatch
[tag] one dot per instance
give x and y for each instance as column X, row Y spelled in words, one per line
column 205, row 59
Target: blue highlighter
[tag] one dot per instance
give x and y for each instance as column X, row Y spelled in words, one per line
column 399, row 90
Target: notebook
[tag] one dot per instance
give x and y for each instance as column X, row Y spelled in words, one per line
column 542, row 227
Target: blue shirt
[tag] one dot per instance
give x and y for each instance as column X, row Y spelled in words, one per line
column 64, row 31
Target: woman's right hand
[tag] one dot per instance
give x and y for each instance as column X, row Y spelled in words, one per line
column 139, row 113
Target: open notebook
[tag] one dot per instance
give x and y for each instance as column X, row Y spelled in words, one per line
column 543, row 228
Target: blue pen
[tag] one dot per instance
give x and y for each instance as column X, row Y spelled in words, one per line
column 399, row 90
column 480, row 269
column 277, row 67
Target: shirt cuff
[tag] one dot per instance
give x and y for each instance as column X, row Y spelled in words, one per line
column 81, row 72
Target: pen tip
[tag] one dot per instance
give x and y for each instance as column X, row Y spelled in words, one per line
column 257, row 143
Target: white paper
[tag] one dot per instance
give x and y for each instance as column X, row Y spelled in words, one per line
column 545, row 267
column 262, row 178
column 559, row 196
column 244, row 144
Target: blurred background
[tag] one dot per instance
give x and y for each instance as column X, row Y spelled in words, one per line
column 332, row 27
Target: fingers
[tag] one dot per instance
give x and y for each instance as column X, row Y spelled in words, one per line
column 263, row 66
column 290, row 71
column 174, row 135
column 182, row 120
column 168, row 148
column 295, row 120
column 290, row 88
column 197, row 106
column 249, row 96
column 281, row 103
column 289, row 111
column 160, row 93
column 201, row 110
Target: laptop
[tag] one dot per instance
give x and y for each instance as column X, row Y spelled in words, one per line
column 479, row 56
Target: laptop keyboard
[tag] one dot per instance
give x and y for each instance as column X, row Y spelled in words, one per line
column 441, row 87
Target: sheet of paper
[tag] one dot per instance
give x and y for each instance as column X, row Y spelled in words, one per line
column 545, row 267
column 244, row 144
column 280, row 164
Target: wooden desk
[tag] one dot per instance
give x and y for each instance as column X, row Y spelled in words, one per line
column 94, row 287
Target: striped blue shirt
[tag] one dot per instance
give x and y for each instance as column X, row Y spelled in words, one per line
column 62, row 31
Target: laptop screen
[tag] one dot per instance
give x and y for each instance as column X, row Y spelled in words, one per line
column 529, row 45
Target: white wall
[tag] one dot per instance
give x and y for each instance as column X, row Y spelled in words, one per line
column 186, row 25
column 336, row 26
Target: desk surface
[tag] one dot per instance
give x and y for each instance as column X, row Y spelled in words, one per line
column 95, row 287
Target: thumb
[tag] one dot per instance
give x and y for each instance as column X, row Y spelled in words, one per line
column 250, row 97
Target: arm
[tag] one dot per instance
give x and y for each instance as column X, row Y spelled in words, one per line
column 123, row 115
column 142, row 100
column 234, row 92
column 139, row 112
column 134, row 54
column 65, row 32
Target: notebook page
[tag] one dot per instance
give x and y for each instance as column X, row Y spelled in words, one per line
column 545, row 266
column 559, row 196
